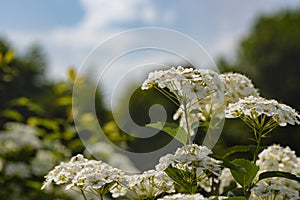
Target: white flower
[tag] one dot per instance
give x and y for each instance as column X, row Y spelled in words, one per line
column 188, row 157
column 200, row 93
column 277, row 158
column 273, row 189
column 225, row 179
column 83, row 173
column 150, row 184
column 253, row 107
column 197, row 196
column 237, row 86
column 118, row 191
column 185, row 82
column 180, row 196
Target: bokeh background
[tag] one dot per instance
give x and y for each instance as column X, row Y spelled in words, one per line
column 43, row 43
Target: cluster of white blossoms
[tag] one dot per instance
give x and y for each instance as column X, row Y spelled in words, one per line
column 197, row 90
column 277, row 158
column 85, row 174
column 91, row 176
column 237, row 86
column 185, row 82
column 18, row 136
column 149, row 185
column 190, row 157
column 197, row 196
column 202, row 93
column 253, row 107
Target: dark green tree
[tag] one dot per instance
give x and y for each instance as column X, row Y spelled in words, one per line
column 270, row 56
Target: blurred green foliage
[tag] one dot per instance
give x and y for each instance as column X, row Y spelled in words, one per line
column 269, row 55
column 36, row 124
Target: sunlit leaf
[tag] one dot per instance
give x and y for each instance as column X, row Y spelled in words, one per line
column 234, row 149
column 243, row 177
column 9, row 55
column 64, row 101
column 12, row 114
column 172, row 129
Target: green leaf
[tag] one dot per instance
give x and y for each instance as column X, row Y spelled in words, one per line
column 172, row 129
column 235, row 149
column 64, row 101
column 186, row 182
column 227, row 163
column 12, row 114
column 270, row 174
column 9, row 55
column 246, row 176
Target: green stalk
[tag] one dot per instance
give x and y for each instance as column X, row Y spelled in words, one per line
column 258, row 141
column 187, row 121
column 82, row 192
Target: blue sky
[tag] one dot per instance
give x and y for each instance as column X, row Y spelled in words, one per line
column 69, row 30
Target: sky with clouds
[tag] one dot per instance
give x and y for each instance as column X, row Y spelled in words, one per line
column 69, row 30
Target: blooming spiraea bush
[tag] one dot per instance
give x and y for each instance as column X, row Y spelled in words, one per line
column 204, row 99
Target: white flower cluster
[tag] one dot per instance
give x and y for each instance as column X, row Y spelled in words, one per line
column 18, row 136
column 185, row 82
column 197, row 196
column 200, row 92
column 255, row 106
column 225, row 180
column 189, row 157
column 91, row 176
column 237, row 86
column 83, row 173
column 277, row 158
column 180, row 196
column 149, row 185
column 197, row 90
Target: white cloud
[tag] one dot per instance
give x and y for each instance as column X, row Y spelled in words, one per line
column 102, row 19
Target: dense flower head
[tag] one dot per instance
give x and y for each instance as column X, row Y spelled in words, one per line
column 180, row 196
column 237, row 86
column 149, row 184
column 274, row 188
column 197, row 196
column 189, row 157
column 193, row 83
column 18, row 136
column 255, row 106
column 277, row 158
column 198, row 91
column 83, row 173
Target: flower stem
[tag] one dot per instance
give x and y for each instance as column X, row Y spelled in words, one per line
column 257, row 148
column 187, row 121
column 82, row 192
